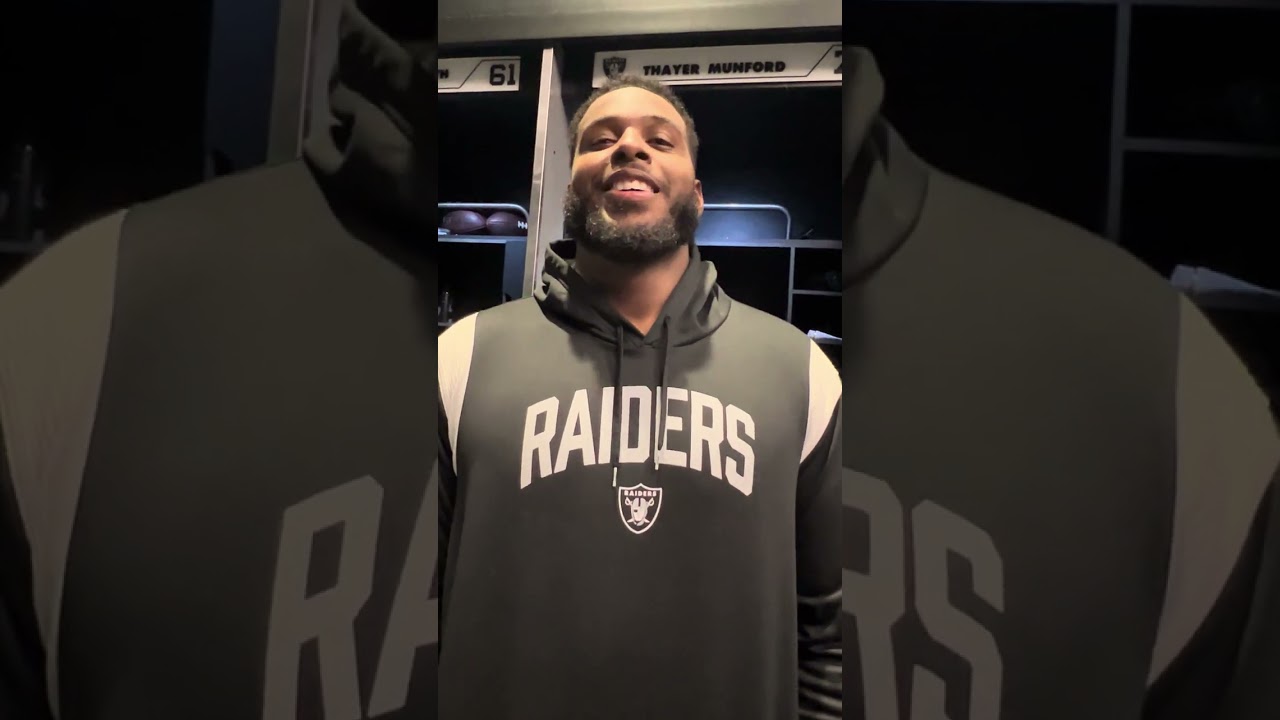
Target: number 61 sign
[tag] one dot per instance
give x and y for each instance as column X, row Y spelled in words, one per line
column 468, row 75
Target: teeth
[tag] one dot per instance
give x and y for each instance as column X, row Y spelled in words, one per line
column 630, row 185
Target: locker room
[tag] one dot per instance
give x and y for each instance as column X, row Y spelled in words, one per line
column 772, row 214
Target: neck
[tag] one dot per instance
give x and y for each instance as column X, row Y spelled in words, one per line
column 637, row 294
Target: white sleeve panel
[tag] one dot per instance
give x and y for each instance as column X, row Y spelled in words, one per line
column 455, row 347
column 1228, row 448
column 824, row 394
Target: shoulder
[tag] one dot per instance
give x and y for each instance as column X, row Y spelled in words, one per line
column 1061, row 287
column 57, row 314
column 264, row 186
column 55, row 323
column 60, row 300
column 1042, row 243
column 771, row 327
column 777, row 349
column 498, row 321
column 454, row 348
column 507, row 324
column 1006, row 267
column 225, row 217
column 759, row 334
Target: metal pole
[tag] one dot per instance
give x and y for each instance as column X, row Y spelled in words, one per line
column 551, row 170
column 1119, row 118
column 289, row 93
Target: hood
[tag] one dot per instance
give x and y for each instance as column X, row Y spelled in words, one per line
column 375, row 147
column 884, row 182
column 697, row 307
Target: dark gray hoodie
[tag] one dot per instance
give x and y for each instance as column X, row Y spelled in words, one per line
column 1059, row 484
column 638, row 526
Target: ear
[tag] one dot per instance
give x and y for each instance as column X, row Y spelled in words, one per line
column 697, row 191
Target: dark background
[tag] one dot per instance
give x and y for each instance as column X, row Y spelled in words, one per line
column 1017, row 96
column 112, row 97
column 487, row 139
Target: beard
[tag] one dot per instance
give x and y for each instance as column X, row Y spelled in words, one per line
column 634, row 245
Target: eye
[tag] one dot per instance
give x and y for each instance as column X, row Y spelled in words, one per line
column 661, row 141
column 601, row 142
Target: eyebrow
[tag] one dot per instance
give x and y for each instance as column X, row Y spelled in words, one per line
column 618, row 118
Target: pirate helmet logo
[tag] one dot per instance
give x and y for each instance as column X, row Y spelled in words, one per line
column 614, row 66
column 638, row 506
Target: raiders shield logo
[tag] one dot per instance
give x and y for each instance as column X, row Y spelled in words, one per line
column 639, row 505
column 614, row 66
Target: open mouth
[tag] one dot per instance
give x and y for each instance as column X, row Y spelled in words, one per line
column 631, row 186
column 631, row 193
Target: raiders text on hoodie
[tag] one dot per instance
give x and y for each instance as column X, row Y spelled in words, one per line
column 215, row 437
column 637, row 527
column 1059, row 493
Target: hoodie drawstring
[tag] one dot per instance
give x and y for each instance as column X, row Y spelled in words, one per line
column 660, row 409
column 617, row 409
column 661, row 420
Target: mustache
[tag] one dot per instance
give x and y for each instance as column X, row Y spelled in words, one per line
column 578, row 207
column 587, row 223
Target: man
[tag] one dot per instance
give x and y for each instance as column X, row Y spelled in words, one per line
column 1060, row 502
column 214, row 497
column 639, row 496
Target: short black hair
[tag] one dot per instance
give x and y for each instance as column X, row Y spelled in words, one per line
column 653, row 86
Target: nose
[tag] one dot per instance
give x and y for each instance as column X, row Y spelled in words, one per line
column 630, row 146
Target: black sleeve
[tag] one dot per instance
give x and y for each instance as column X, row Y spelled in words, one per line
column 818, row 577
column 1254, row 690
column 22, row 680
column 1230, row 670
column 1217, row 651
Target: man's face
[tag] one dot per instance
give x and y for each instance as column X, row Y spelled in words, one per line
column 633, row 197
